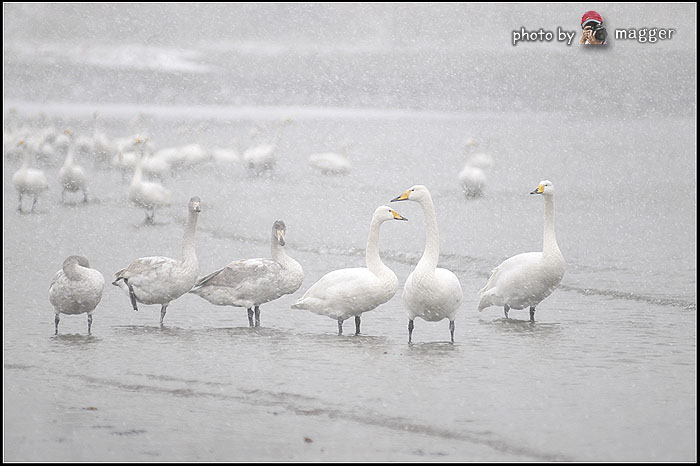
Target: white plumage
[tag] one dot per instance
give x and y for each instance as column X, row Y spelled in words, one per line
column 430, row 293
column 252, row 282
column 28, row 181
column 344, row 293
column 473, row 180
column 526, row 279
column 72, row 177
column 76, row 289
column 149, row 195
column 158, row 279
column 330, row 163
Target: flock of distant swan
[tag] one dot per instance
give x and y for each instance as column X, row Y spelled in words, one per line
column 430, row 292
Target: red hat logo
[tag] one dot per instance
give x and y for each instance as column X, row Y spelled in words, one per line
column 590, row 17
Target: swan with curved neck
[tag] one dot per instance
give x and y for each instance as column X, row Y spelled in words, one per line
column 526, row 279
column 252, row 282
column 344, row 293
column 72, row 176
column 430, row 293
column 76, row 289
column 158, row 279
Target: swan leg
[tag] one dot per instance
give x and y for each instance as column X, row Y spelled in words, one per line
column 19, row 207
column 56, row 320
column 132, row 295
column 257, row 316
column 250, row 317
column 63, row 196
column 34, row 203
column 162, row 313
column 89, row 324
column 532, row 313
column 506, row 308
column 452, row 331
column 149, row 218
column 410, row 330
column 85, row 197
column 357, row 325
column 340, row 327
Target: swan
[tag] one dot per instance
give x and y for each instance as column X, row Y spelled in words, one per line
column 71, row 176
column 261, row 158
column 472, row 179
column 149, row 195
column 252, row 282
column 343, row 293
column 526, row 279
column 76, row 289
column 330, row 163
column 27, row 180
column 430, row 293
column 158, row 279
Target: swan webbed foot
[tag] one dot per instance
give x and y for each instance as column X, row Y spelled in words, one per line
column 250, row 317
column 532, row 313
column 410, row 330
column 257, row 316
column 357, row 325
column 452, row 331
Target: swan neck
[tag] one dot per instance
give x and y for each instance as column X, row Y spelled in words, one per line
column 188, row 251
column 74, row 271
column 277, row 250
column 550, row 237
column 431, row 254
column 372, row 258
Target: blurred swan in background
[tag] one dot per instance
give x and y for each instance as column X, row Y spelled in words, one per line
column 28, row 181
column 251, row 282
column 430, row 293
column 472, row 177
column 526, row 279
column 150, row 195
column 261, row 158
column 76, row 289
column 72, row 177
column 344, row 293
column 158, row 279
column 331, row 163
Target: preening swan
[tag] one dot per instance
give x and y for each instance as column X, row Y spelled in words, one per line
column 28, row 180
column 252, row 282
column 158, row 279
column 350, row 292
column 149, row 195
column 76, row 289
column 430, row 293
column 72, row 176
column 526, row 279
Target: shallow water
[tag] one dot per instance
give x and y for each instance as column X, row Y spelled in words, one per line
column 607, row 372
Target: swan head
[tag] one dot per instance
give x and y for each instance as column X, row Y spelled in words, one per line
column 75, row 260
column 545, row 188
column 384, row 213
column 279, row 229
column 194, row 205
column 417, row 193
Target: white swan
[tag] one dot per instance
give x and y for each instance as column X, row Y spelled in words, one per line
column 330, row 163
column 430, row 293
column 71, row 176
column 27, row 180
column 158, row 279
column 473, row 180
column 149, row 195
column 76, row 289
column 261, row 158
column 526, row 279
column 343, row 293
column 252, row 282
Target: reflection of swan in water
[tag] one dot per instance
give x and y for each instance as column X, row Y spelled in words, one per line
column 28, row 180
column 262, row 158
column 343, row 293
column 430, row 293
column 252, row 282
column 158, row 279
column 526, row 279
column 76, row 289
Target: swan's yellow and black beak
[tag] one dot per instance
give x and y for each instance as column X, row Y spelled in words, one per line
column 539, row 190
column 403, row 197
column 280, row 237
column 398, row 216
column 196, row 206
